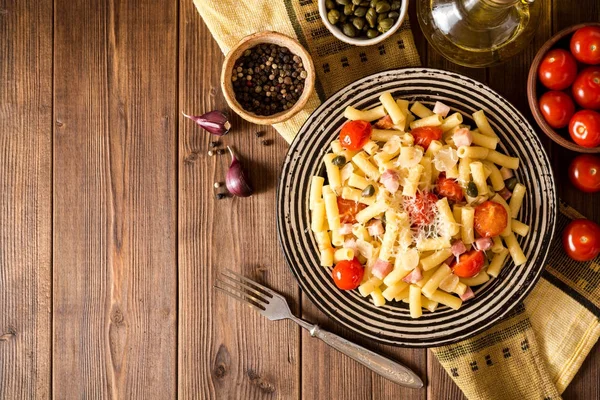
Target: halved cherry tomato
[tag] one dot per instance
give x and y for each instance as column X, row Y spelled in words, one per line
column 469, row 264
column 584, row 128
column 424, row 135
column 558, row 69
column 557, row 108
column 449, row 188
column 491, row 219
column 585, row 45
column 581, row 240
column 586, row 88
column 584, row 173
column 421, row 208
column 355, row 134
column 348, row 210
column 348, row 274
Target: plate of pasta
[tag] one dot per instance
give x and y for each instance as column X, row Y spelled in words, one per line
column 416, row 207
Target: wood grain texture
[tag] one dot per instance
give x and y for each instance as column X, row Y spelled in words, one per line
column 25, row 198
column 115, row 199
column 226, row 350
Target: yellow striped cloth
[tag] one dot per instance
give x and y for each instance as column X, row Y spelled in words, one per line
column 535, row 352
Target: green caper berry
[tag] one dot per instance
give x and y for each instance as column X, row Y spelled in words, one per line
column 360, row 12
column 359, row 23
column 386, row 23
column 348, row 9
column 333, row 16
column 382, row 7
column 381, row 17
column 330, row 4
column 393, row 14
column 472, row 189
column 349, row 30
column 511, row 183
column 339, row 161
column 342, row 2
column 368, row 191
column 372, row 33
column 395, row 5
column 356, row 2
column 371, row 17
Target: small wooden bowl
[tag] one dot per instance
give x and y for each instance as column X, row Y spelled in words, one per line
column 249, row 42
column 535, row 89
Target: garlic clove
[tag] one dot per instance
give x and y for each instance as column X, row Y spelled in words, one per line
column 237, row 181
column 215, row 122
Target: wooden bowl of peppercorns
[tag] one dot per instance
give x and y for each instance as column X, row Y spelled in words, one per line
column 267, row 78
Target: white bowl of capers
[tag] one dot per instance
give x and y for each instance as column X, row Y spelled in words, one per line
column 362, row 22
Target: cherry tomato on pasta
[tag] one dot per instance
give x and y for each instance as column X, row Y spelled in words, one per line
column 348, row 210
column 425, row 135
column 469, row 264
column 557, row 70
column 581, row 240
column 421, row 208
column 446, row 187
column 584, row 173
column 355, row 134
column 347, row 275
column 491, row 219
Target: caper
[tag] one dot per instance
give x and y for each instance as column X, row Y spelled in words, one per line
column 342, row 18
column 333, row 16
column 372, row 33
column 342, row 2
column 360, row 11
column 382, row 7
column 349, row 30
column 348, row 9
column 356, row 2
column 511, row 183
column 393, row 14
column 339, row 161
column 472, row 189
column 365, row 27
column 368, row 191
column 371, row 17
column 373, row 3
column 386, row 23
column 395, row 5
column 364, row 3
column 359, row 23
column 381, row 17
column 330, row 4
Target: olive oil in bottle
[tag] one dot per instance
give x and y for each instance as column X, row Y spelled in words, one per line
column 478, row 33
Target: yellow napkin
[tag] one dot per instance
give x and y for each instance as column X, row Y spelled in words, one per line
column 535, row 352
column 337, row 64
column 532, row 354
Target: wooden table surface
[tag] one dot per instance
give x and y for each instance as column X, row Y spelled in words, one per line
column 111, row 237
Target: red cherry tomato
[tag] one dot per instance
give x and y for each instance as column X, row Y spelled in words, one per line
column 449, row 188
column 585, row 45
column 348, row 210
column 355, row 134
column 584, row 128
column 558, row 69
column 469, row 264
column 581, row 240
column 586, row 88
column 425, row 135
column 421, row 208
column 584, row 173
column 348, row 274
column 557, row 108
column 491, row 219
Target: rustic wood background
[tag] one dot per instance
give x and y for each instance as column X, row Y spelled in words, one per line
column 110, row 234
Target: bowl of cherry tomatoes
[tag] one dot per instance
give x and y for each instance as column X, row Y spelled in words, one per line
column 563, row 88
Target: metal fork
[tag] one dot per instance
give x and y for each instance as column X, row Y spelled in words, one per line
column 274, row 306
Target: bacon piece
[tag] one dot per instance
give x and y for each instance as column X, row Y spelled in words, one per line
column 468, row 294
column 391, row 180
column 381, row 268
column 345, row 229
column 483, row 244
column 462, row 137
column 450, row 260
column 505, row 193
column 375, row 227
column 458, row 248
column 384, row 123
column 441, row 109
column 415, row 276
column 506, row 173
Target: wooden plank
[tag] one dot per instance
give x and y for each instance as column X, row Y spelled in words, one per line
column 115, row 199
column 25, row 198
column 226, row 350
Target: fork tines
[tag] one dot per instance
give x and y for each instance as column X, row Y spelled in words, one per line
column 243, row 289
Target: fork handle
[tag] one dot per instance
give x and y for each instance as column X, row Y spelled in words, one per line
column 379, row 364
